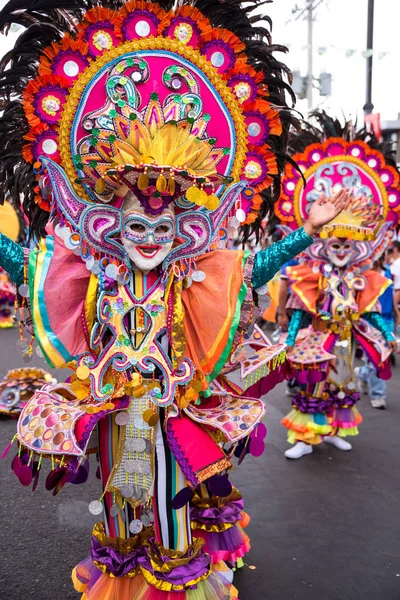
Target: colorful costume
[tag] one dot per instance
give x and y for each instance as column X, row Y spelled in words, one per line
column 334, row 282
column 9, row 226
column 147, row 134
column 18, row 386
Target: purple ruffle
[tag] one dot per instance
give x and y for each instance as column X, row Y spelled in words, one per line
column 309, row 404
column 120, row 564
column 347, row 402
column 228, row 513
column 196, row 567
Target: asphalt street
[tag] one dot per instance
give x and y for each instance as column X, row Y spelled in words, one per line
column 326, row 527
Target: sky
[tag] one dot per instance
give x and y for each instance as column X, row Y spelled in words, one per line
column 340, row 26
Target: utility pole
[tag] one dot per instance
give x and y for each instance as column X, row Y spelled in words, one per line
column 307, row 14
column 310, row 6
column 369, row 107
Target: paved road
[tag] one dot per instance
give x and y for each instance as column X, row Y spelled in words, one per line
column 326, row 527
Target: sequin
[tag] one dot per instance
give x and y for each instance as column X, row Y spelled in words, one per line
column 217, row 59
column 135, row 445
column 198, row 276
column 254, row 129
column 71, row 68
column 135, row 526
column 112, row 271
column 142, row 28
column 240, row 215
column 268, row 262
column 122, row 418
column 377, row 321
column 114, row 510
column 140, row 424
column 22, row 345
column 126, row 490
column 145, row 519
column 294, row 327
column 49, row 146
column 95, row 507
column 131, row 466
column 24, row 290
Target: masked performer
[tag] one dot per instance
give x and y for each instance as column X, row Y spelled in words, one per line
column 334, row 282
column 146, row 134
column 9, row 226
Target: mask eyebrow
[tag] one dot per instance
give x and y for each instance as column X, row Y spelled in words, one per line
column 148, row 220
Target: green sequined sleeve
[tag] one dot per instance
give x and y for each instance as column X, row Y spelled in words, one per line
column 294, row 327
column 12, row 259
column 377, row 321
column 269, row 261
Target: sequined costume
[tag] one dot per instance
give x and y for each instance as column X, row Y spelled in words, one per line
column 334, row 282
column 148, row 134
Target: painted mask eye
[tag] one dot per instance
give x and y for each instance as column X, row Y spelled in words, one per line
column 137, row 228
column 335, row 247
column 162, row 229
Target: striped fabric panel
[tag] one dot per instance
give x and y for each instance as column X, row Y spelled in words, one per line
column 172, row 526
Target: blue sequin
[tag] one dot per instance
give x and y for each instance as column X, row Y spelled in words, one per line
column 12, row 259
column 294, row 327
column 269, row 261
column 380, row 323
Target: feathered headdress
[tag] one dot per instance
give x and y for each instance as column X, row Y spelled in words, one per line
column 330, row 156
column 175, row 102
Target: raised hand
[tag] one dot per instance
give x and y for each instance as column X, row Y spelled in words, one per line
column 325, row 210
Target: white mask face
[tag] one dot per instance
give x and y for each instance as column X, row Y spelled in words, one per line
column 147, row 240
column 339, row 251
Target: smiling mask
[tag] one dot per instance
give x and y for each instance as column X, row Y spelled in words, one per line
column 147, row 240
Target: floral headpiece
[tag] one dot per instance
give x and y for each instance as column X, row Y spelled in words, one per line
column 326, row 167
column 163, row 102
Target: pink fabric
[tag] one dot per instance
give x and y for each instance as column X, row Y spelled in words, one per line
column 193, row 447
column 218, row 126
column 65, row 292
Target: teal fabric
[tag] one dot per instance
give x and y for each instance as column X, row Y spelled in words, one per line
column 12, row 259
column 379, row 322
column 294, row 326
column 269, row 261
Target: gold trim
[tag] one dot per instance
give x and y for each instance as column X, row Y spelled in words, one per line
column 90, row 305
column 341, row 158
column 195, row 525
column 151, row 43
column 169, row 587
column 125, row 546
column 213, row 469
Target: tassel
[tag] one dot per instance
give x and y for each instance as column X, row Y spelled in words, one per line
column 6, row 450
